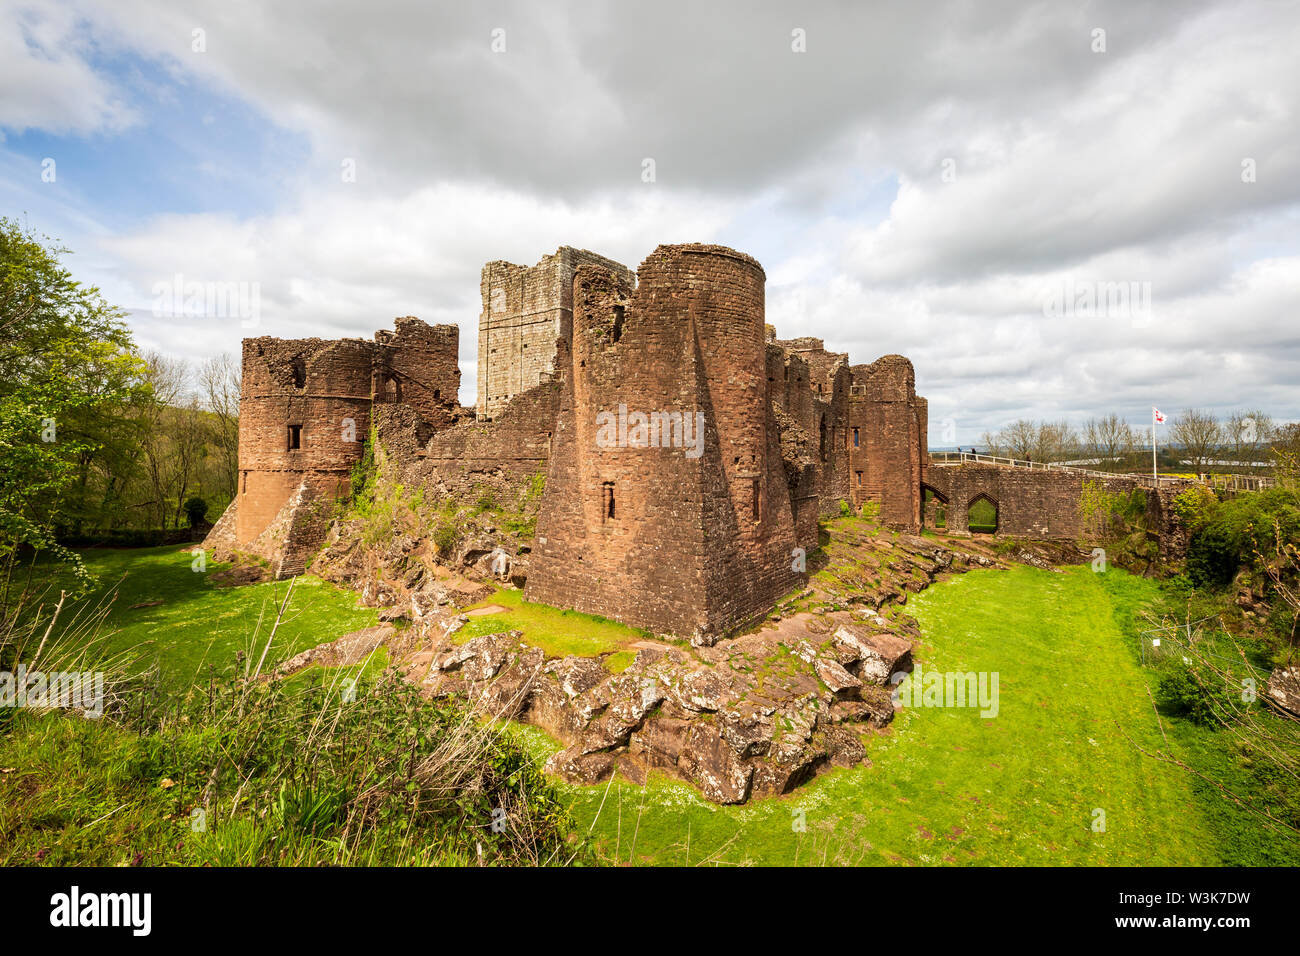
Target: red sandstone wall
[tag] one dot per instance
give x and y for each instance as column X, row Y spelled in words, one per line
column 516, row 444
column 419, row 365
column 684, row 552
column 886, row 464
column 1034, row 504
column 326, row 389
column 321, row 387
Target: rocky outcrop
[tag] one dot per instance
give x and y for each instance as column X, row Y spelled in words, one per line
column 1283, row 690
column 754, row 716
column 349, row 649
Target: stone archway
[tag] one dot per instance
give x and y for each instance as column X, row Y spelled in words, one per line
column 934, row 508
column 982, row 514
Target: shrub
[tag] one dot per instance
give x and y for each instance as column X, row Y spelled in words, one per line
column 1195, row 506
column 196, row 509
column 1182, row 692
column 1212, row 558
column 444, row 538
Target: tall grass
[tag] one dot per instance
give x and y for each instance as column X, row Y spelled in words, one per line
column 242, row 769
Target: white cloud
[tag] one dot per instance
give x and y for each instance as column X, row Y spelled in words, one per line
column 45, row 80
column 346, row 265
column 1072, row 167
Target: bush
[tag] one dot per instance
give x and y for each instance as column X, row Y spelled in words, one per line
column 1232, row 531
column 1183, row 693
column 196, row 510
column 444, row 538
column 1195, row 507
column 1212, row 558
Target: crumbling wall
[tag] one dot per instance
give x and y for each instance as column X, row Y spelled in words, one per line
column 887, row 442
column 419, row 365
column 816, row 394
column 304, row 414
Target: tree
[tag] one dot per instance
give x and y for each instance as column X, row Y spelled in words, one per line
column 219, row 383
column 1037, row 441
column 1055, row 441
column 1201, row 437
column 1017, row 440
column 1285, row 450
column 64, row 353
column 1246, row 435
column 1109, row 438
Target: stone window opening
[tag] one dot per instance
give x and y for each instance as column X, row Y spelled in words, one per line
column 756, row 510
column 858, row 475
column 244, row 488
column 822, row 442
column 392, row 389
column 607, row 506
column 617, row 331
column 298, row 369
column 295, row 437
column 855, row 438
column 437, row 394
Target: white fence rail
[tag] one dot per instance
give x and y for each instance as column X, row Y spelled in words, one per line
column 1225, row 482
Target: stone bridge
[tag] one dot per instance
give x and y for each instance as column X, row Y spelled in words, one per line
column 1032, row 502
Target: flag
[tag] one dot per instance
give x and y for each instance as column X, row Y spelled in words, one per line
column 1159, row 416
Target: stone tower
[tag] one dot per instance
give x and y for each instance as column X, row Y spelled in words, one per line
column 648, row 521
column 304, row 416
column 888, row 422
column 525, row 310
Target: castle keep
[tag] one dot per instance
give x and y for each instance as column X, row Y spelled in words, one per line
column 687, row 451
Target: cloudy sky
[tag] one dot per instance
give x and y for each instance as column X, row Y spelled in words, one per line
column 1055, row 210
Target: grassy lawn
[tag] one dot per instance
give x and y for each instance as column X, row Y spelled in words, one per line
column 951, row 787
column 198, row 623
column 557, row 632
column 947, row 786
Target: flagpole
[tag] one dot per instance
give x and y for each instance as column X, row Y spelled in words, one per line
column 1154, row 476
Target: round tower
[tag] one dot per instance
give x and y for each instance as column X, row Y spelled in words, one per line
column 719, row 293
column 304, row 414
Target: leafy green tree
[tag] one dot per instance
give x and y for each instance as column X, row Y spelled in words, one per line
column 66, row 358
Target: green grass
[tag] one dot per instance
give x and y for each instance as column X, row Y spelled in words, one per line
column 557, row 632
column 946, row 786
column 950, row 787
column 198, row 623
column 257, row 775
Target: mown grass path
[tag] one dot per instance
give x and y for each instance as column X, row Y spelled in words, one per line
column 951, row 787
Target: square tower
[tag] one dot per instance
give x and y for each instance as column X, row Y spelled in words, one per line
column 525, row 310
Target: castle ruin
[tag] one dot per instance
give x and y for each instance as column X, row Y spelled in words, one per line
column 688, row 452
